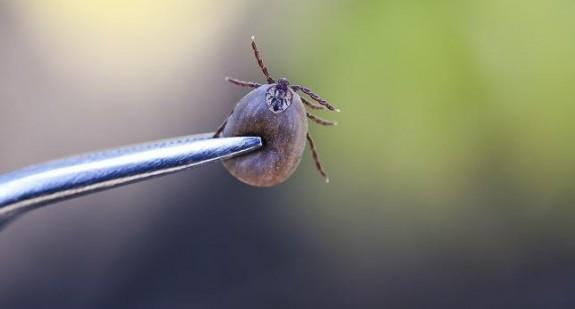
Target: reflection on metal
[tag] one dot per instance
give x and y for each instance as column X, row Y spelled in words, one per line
column 42, row 184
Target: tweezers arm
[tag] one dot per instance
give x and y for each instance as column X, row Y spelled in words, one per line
column 38, row 185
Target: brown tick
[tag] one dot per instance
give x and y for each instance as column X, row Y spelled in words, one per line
column 275, row 112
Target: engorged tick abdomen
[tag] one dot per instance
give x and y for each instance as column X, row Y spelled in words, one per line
column 283, row 135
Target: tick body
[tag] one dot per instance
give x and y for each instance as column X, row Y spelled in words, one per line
column 275, row 112
column 283, row 134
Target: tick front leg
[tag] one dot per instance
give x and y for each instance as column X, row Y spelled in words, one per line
column 316, row 158
column 315, row 97
column 242, row 83
column 319, row 120
column 260, row 61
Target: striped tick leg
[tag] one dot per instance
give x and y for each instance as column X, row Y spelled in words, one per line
column 311, row 104
column 316, row 158
column 315, row 97
column 319, row 120
column 242, row 83
column 260, row 61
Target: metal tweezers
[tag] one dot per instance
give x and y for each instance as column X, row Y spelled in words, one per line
column 39, row 185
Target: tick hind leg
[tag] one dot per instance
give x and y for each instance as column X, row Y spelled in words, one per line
column 316, row 157
column 242, row 83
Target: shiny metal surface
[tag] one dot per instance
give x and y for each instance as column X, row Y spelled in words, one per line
column 38, row 185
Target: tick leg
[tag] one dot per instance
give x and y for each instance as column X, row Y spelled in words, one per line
column 319, row 120
column 314, row 96
column 222, row 126
column 261, row 61
column 311, row 105
column 242, row 83
column 316, row 157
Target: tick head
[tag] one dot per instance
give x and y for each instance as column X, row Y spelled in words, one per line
column 283, row 83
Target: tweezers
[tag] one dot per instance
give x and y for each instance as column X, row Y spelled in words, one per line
column 39, row 185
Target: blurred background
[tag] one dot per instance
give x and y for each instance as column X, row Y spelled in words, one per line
column 452, row 167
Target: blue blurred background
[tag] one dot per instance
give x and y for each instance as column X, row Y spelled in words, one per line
column 452, row 167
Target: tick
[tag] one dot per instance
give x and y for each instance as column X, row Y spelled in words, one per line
column 275, row 112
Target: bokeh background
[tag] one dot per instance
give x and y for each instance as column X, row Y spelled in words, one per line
column 452, row 168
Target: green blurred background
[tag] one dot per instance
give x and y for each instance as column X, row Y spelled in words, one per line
column 452, row 165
